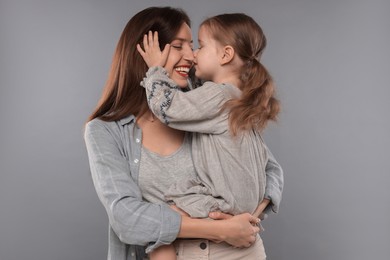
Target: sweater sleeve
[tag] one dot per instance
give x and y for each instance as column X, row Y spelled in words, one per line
column 198, row 110
column 274, row 183
column 133, row 220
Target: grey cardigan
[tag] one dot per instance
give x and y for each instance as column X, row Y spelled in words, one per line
column 114, row 150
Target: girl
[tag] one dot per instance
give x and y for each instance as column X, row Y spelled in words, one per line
column 227, row 112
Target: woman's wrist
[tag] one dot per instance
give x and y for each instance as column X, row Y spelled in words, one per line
column 201, row 228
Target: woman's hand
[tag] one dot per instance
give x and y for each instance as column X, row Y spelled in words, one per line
column 152, row 54
column 239, row 230
column 217, row 215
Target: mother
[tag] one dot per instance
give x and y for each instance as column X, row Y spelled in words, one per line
column 135, row 158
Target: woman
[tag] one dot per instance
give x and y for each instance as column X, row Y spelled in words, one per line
column 134, row 157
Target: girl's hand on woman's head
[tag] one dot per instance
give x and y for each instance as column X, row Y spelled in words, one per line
column 151, row 53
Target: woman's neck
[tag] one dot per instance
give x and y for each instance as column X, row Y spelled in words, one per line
column 158, row 137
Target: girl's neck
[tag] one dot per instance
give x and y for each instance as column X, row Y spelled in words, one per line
column 229, row 73
column 232, row 79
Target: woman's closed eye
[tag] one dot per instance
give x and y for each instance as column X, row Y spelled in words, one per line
column 178, row 47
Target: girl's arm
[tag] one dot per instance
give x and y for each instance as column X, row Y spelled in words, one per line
column 260, row 209
column 198, row 110
column 195, row 111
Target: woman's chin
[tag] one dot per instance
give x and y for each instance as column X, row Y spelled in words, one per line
column 181, row 83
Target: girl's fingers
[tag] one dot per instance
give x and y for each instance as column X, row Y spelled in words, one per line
column 166, row 50
column 150, row 40
column 145, row 41
column 254, row 220
column 140, row 50
column 150, row 36
column 155, row 38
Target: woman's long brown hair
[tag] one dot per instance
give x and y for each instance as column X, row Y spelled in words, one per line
column 122, row 94
column 257, row 103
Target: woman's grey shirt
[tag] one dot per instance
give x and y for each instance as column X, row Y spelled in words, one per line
column 114, row 150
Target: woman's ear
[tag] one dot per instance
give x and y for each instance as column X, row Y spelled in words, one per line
column 227, row 55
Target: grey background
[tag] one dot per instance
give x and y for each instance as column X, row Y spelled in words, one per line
column 330, row 60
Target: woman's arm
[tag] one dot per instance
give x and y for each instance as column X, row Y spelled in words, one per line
column 133, row 220
column 141, row 223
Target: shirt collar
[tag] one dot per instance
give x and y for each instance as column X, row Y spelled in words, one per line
column 127, row 120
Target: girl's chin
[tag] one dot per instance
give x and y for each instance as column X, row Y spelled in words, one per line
column 198, row 75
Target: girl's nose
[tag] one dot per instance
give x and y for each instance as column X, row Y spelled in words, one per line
column 195, row 52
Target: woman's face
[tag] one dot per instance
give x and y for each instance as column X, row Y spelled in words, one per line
column 180, row 57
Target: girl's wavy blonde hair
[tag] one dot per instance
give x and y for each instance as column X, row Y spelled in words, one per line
column 257, row 103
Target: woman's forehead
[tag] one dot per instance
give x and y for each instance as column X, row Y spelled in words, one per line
column 184, row 34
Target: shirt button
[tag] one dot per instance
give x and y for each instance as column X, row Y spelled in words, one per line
column 137, row 140
column 136, row 160
column 203, row 245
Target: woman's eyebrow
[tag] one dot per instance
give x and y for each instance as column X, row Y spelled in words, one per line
column 183, row 40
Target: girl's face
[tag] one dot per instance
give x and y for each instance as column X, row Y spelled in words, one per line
column 180, row 57
column 206, row 56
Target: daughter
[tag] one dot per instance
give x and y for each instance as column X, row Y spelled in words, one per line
column 227, row 112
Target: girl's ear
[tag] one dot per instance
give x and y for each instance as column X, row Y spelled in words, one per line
column 227, row 55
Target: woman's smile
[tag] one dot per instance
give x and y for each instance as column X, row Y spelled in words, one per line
column 183, row 70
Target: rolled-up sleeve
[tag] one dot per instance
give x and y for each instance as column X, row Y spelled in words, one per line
column 134, row 221
column 274, row 183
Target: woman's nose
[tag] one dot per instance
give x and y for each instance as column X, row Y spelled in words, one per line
column 188, row 54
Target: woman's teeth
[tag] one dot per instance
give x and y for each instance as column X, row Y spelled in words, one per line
column 182, row 70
